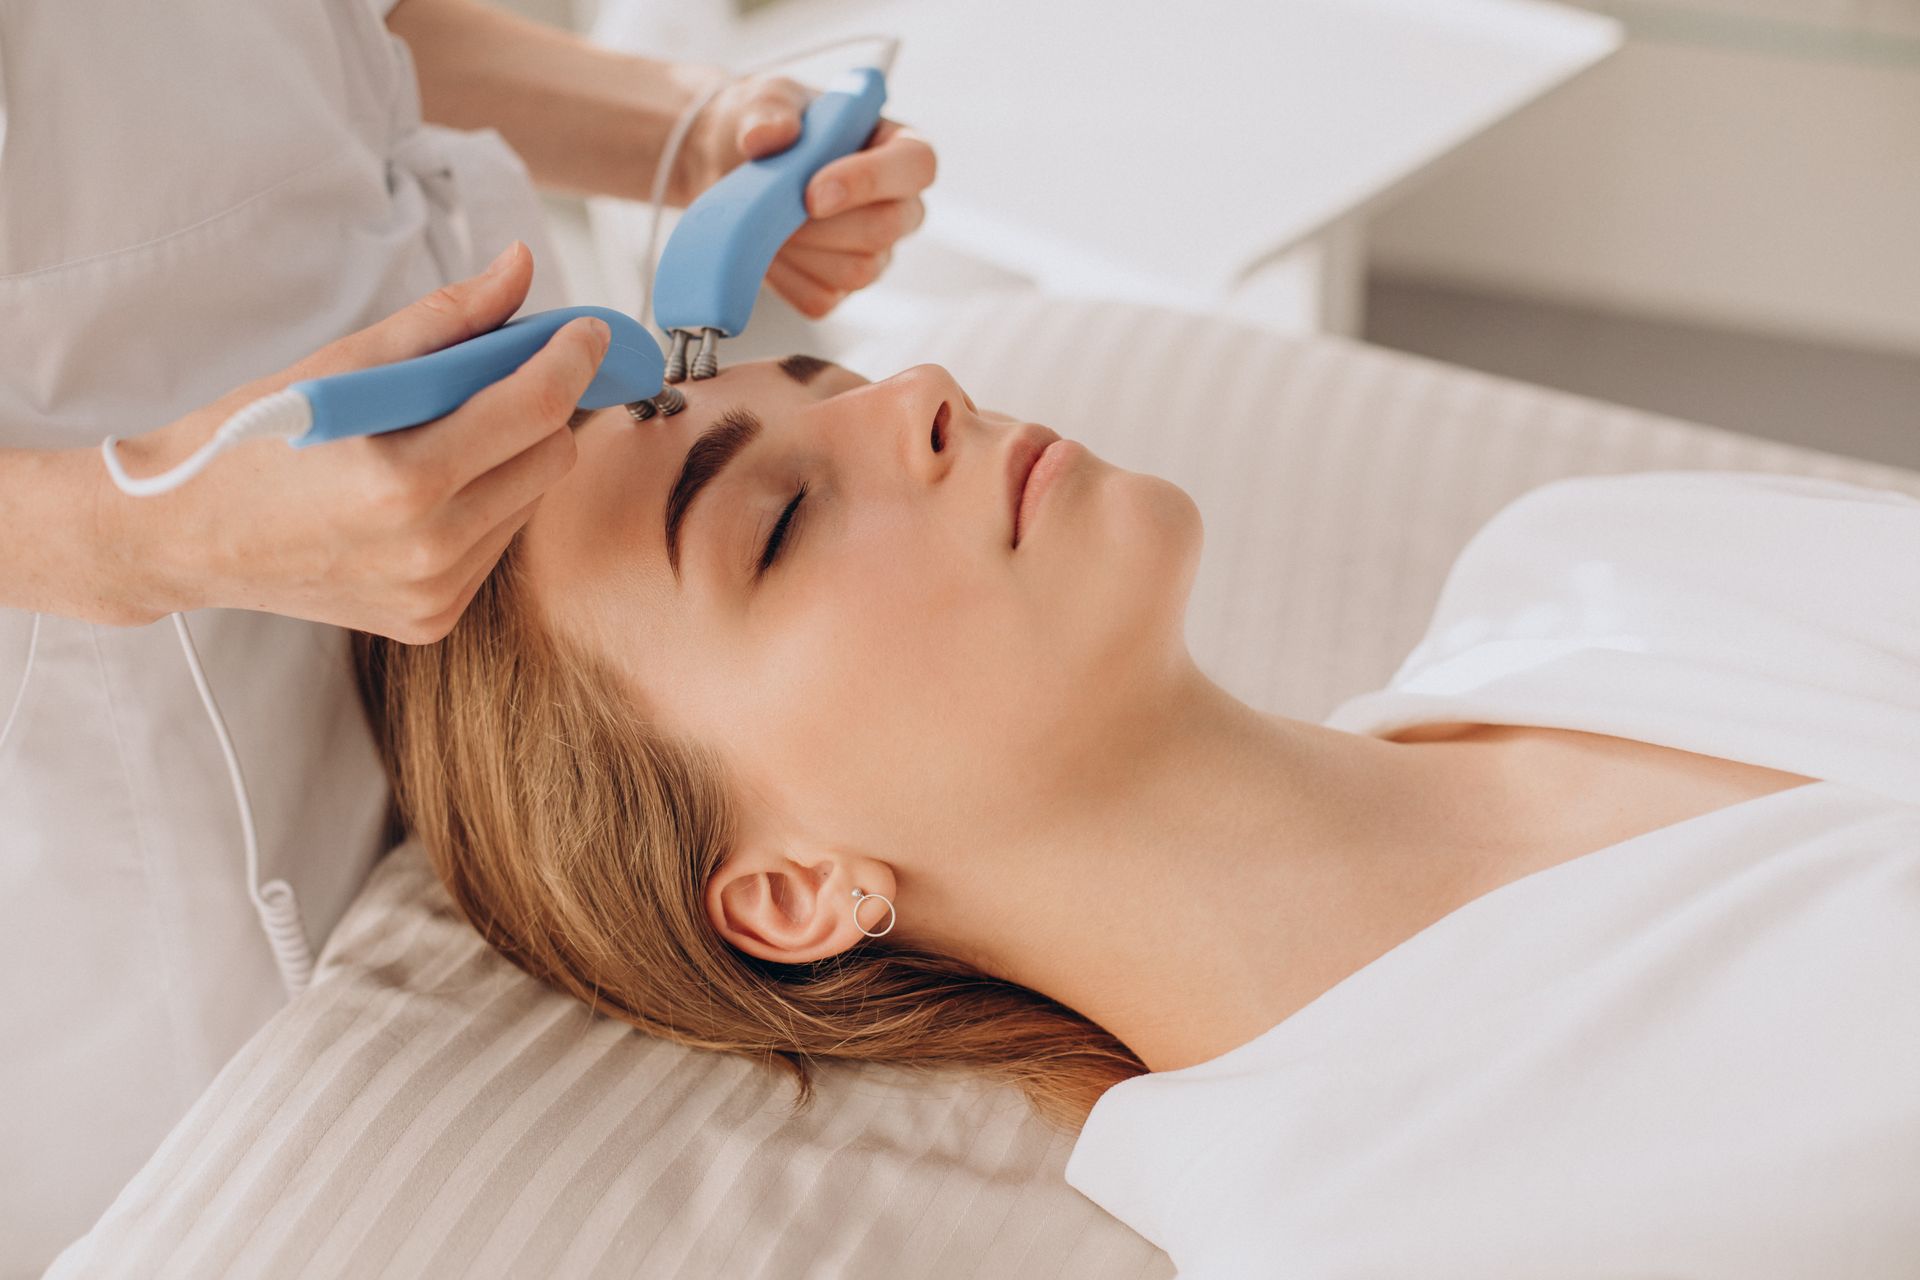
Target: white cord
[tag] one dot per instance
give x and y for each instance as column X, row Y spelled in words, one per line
column 20, row 694
column 285, row 413
column 663, row 167
column 274, row 901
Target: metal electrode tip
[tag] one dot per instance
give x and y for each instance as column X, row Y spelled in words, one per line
column 707, row 363
column 677, row 356
column 667, row 403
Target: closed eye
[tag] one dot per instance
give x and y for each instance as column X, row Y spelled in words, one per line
column 781, row 531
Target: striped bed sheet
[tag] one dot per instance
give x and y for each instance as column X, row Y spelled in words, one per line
column 425, row 1109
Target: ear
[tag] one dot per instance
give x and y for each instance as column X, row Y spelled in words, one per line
column 779, row 908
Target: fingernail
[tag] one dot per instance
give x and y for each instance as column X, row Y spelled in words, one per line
column 828, row 199
column 499, row 264
column 602, row 335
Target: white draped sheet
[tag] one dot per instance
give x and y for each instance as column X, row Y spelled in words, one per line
column 1695, row 1052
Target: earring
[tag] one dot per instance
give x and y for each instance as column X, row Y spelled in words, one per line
column 860, row 900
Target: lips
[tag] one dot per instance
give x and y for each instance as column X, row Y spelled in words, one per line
column 1028, row 444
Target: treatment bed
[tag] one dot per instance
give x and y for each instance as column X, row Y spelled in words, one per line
column 425, row 1109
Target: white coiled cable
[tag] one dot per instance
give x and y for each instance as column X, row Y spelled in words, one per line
column 284, row 413
column 287, row 414
column 274, row 901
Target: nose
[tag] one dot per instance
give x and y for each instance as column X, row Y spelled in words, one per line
column 934, row 417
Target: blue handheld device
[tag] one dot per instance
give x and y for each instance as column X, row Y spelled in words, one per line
column 388, row 397
column 719, row 253
column 367, row 402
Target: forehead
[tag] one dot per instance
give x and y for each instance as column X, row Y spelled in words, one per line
column 597, row 537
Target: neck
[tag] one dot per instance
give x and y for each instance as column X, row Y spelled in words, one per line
column 1213, row 868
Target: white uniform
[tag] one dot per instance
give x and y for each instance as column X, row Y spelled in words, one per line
column 1694, row 1052
column 192, row 194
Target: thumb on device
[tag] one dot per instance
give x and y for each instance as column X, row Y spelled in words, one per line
column 769, row 120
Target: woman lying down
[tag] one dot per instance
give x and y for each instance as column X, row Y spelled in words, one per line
column 789, row 726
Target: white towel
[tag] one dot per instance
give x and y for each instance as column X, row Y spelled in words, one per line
column 1691, row 1053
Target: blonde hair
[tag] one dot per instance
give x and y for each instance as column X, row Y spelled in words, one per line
column 578, row 840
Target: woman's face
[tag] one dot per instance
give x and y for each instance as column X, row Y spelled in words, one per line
column 901, row 680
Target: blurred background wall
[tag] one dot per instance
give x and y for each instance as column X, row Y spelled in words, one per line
column 1722, row 221
column 1718, row 222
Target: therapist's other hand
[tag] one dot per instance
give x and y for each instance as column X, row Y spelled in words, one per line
column 857, row 206
column 391, row 533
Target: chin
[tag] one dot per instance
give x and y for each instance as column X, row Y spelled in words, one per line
column 1111, row 623
column 1144, row 543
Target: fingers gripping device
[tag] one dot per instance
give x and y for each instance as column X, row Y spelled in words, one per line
column 388, row 397
column 719, row 253
column 705, row 288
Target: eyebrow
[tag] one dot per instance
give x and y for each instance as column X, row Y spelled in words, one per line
column 803, row 369
column 710, row 455
column 716, row 448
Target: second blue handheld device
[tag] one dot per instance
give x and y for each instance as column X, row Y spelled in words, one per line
column 719, row 252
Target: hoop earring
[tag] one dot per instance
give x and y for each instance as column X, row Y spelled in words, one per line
column 860, row 900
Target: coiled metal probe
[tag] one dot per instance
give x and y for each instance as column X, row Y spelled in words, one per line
column 666, row 404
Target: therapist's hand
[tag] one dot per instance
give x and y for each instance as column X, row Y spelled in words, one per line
column 857, row 206
column 391, row 533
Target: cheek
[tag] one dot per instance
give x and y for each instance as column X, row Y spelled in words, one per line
column 898, row 672
column 891, row 639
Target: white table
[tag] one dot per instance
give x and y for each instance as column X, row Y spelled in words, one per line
column 1222, row 155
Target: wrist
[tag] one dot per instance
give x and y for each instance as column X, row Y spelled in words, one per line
column 146, row 557
column 585, row 119
column 699, row 163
